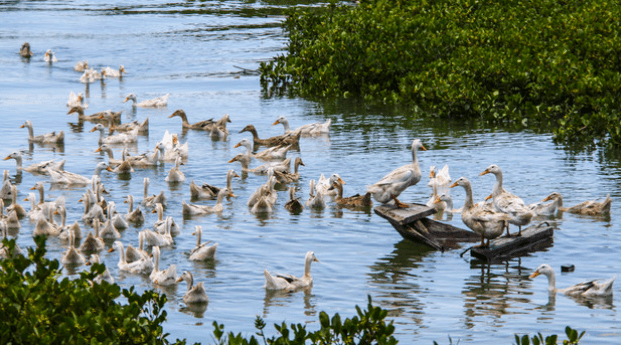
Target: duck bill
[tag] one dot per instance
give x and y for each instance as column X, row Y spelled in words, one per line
column 92, row 130
column 232, row 160
column 111, row 250
column 109, row 169
column 488, row 197
column 423, row 148
column 98, row 150
column 236, row 146
column 453, row 185
column 275, row 123
column 484, row 172
column 341, row 181
column 7, row 157
column 536, row 273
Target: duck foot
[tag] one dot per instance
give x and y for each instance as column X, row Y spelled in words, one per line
column 399, row 203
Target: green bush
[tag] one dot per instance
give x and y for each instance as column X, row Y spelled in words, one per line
column 40, row 308
column 541, row 64
column 368, row 327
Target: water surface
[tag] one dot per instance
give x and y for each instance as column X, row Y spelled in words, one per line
column 192, row 50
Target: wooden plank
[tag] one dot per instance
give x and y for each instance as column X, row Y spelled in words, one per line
column 436, row 235
column 533, row 238
column 404, row 216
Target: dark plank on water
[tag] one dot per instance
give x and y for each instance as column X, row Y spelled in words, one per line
column 535, row 237
column 404, row 216
column 412, row 224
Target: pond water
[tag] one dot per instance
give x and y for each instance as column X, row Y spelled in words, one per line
column 192, row 50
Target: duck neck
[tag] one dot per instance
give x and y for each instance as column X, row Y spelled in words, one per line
column 146, row 189
column 468, row 203
column 198, row 237
column 110, row 152
column 414, row 156
column 498, row 184
column 41, row 195
column 229, row 177
column 339, row 190
column 307, row 267
column 551, row 282
column 285, row 124
column 122, row 254
column 30, row 132
column 18, row 161
column 190, row 281
column 184, row 119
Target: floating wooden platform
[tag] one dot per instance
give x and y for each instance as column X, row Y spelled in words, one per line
column 535, row 237
column 412, row 223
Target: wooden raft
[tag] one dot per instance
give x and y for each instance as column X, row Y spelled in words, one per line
column 535, row 237
column 412, row 223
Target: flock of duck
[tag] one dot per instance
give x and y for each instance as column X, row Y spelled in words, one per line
column 489, row 219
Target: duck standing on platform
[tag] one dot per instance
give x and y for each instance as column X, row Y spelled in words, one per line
column 393, row 184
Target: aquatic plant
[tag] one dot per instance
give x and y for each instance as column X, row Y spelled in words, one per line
column 546, row 65
column 39, row 307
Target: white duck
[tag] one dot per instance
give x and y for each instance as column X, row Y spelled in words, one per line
column 76, row 100
column 547, row 209
column 508, row 203
column 7, row 187
column 80, row 66
column 133, row 215
column 45, row 227
column 316, row 199
column 117, row 219
column 64, row 229
column 193, row 209
column 20, row 212
column 93, row 243
column 154, row 238
column 143, row 266
column 311, row 129
column 480, row 217
column 49, row 138
column 134, row 254
column 69, row 178
column 263, row 205
column 202, row 251
column 147, row 159
column 72, row 256
column 175, row 174
column 288, row 282
column 207, row 191
column 90, row 75
column 36, row 168
column 397, row 181
column 121, row 138
column 103, row 277
column 114, row 73
column 271, row 153
column 324, row 184
column 4, row 251
column 150, row 103
column 160, row 224
column 195, row 293
column 35, row 211
column 162, row 277
column 50, row 56
column 592, row 288
column 150, row 201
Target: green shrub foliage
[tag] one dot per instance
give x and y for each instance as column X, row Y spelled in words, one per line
column 367, row 328
column 542, row 64
column 40, row 307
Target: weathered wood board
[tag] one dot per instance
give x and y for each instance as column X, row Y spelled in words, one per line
column 413, row 225
column 404, row 216
column 535, row 237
